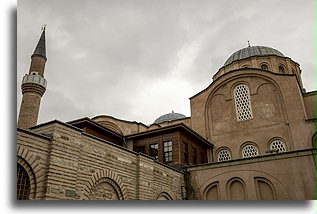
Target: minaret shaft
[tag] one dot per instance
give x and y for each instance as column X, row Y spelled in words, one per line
column 33, row 87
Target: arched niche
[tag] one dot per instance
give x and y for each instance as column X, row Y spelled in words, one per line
column 265, row 189
column 266, row 105
column 105, row 189
column 164, row 196
column 212, row 192
column 236, row 189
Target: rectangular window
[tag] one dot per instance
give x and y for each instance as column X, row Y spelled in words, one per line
column 194, row 155
column 141, row 149
column 186, row 153
column 154, row 151
column 242, row 102
column 202, row 157
column 168, row 151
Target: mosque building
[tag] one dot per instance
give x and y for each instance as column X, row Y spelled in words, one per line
column 251, row 135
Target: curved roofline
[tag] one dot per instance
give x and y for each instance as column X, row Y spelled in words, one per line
column 122, row 120
column 252, row 51
column 252, row 57
column 235, row 70
column 168, row 117
column 172, row 120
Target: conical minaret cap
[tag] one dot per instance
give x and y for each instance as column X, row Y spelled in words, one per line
column 40, row 49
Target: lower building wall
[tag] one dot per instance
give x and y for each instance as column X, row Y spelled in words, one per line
column 68, row 164
column 289, row 176
column 73, row 165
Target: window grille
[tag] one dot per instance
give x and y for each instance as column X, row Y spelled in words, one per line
column 224, row 155
column 249, row 151
column 242, row 102
column 278, row 146
column 23, row 184
column 154, row 151
column 168, row 151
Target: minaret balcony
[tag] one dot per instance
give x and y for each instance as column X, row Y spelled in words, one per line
column 34, row 79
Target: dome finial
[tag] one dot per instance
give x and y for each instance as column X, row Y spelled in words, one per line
column 249, row 44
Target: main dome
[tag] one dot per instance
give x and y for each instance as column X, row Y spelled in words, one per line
column 169, row 117
column 252, row 51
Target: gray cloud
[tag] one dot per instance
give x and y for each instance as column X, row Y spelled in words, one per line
column 139, row 59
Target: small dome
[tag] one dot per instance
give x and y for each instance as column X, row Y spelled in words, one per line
column 252, row 51
column 169, row 117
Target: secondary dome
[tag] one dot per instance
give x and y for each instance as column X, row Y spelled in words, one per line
column 252, row 51
column 169, row 117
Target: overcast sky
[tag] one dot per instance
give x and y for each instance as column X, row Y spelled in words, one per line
column 139, row 59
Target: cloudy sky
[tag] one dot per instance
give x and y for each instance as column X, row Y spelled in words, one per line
column 139, row 59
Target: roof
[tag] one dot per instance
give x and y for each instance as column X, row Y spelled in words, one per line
column 252, row 51
column 181, row 126
column 40, row 49
column 87, row 121
column 169, row 117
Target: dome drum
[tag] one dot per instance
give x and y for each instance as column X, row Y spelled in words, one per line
column 260, row 57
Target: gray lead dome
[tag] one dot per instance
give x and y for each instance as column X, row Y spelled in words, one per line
column 252, row 51
column 169, row 117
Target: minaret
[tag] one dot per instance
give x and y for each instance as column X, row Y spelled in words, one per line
column 33, row 86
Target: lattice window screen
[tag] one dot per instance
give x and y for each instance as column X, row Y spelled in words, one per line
column 278, row 145
column 224, row 155
column 249, row 151
column 23, row 184
column 242, row 102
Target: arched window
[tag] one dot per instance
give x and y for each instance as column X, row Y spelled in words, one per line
column 278, row 146
column 264, row 67
column 224, row 155
column 242, row 102
column 281, row 69
column 249, row 151
column 23, row 183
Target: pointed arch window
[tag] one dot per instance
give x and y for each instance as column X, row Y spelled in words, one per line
column 242, row 102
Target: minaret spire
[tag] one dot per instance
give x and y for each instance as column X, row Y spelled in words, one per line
column 40, row 49
column 33, row 86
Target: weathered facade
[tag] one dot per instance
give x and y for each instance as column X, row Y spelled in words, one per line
column 63, row 162
column 251, row 136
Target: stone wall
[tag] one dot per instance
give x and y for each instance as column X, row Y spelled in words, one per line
column 287, row 176
column 75, row 165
